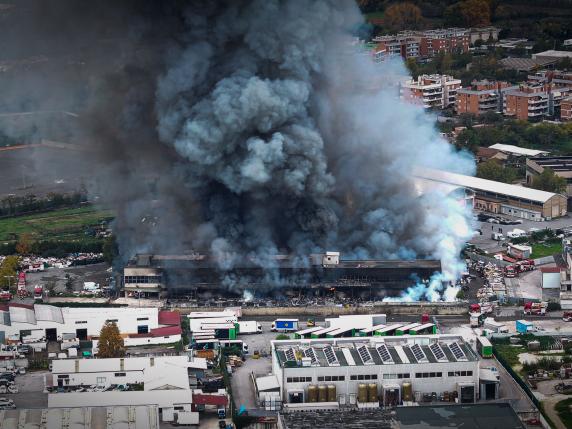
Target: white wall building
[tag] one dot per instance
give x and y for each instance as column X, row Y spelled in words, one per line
column 162, row 372
column 429, row 363
column 138, row 326
column 438, row 91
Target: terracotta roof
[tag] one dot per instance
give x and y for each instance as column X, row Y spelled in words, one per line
column 167, row 330
column 485, row 152
column 204, row 399
column 550, row 269
column 169, row 318
column 16, row 304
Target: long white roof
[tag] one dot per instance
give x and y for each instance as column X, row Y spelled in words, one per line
column 508, row 148
column 477, row 183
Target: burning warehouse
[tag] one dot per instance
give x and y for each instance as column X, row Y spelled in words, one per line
column 172, row 275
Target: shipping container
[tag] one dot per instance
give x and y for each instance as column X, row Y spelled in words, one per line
column 523, row 326
column 285, row 325
column 485, row 348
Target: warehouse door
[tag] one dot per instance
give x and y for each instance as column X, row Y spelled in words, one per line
column 51, row 334
column 81, row 334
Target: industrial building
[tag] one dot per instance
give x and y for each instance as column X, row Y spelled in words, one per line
column 39, row 322
column 117, row 417
column 561, row 165
column 153, row 373
column 503, row 198
column 366, row 372
column 174, row 275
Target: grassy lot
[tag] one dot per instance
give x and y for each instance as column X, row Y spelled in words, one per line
column 64, row 224
column 540, row 250
column 564, row 410
column 510, row 353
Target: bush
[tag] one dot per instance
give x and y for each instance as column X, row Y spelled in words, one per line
column 553, row 306
column 282, row 337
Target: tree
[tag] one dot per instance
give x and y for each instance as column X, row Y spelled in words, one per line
column 403, row 16
column 110, row 342
column 494, row 170
column 549, row 181
column 110, row 250
column 8, row 270
column 476, row 13
column 69, row 283
column 51, row 287
column 24, row 245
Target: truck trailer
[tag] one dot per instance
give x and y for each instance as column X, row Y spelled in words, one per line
column 249, row 327
column 285, row 325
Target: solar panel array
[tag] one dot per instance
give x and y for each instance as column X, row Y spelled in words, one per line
column 310, row 353
column 365, row 355
column 457, row 352
column 418, row 353
column 331, row 356
column 384, row 354
column 438, row 352
column 290, row 355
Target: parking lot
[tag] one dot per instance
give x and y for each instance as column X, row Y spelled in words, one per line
column 30, row 390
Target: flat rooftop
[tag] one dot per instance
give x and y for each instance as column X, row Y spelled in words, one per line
column 473, row 416
column 355, row 351
column 466, row 416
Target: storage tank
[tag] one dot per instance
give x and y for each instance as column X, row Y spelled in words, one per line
column 322, row 393
column 407, row 392
column 331, row 393
column 362, row 393
column 312, row 393
column 372, row 392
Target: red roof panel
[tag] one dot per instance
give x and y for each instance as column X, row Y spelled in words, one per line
column 169, row 318
column 204, row 399
column 168, row 330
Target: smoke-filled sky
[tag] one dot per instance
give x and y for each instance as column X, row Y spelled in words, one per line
column 240, row 127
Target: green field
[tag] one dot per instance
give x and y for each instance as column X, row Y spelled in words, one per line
column 63, row 224
column 546, row 249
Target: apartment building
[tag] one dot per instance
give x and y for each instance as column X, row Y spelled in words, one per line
column 485, row 34
column 414, row 44
column 566, row 109
column 483, row 96
column 431, row 91
column 527, row 102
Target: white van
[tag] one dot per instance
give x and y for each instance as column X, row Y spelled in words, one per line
column 497, row 236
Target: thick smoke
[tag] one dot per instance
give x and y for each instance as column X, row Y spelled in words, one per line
column 249, row 128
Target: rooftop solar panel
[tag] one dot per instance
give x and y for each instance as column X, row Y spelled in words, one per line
column 418, row 353
column 331, row 357
column 365, row 355
column 438, row 352
column 290, row 355
column 310, row 353
column 384, row 354
column 457, row 352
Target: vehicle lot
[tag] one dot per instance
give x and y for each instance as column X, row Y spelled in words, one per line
column 31, row 390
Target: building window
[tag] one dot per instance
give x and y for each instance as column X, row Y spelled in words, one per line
column 179, row 408
column 428, row 374
column 460, row 373
column 100, row 380
column 142, row 318
column 320, row 378
column 142, row 329
column 112, row 321
column 328, row 378
column 63, row 376
column 120, row 374
column 353, row 377
column 81, row 322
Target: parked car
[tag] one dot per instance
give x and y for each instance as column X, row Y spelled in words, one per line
column 6, row 404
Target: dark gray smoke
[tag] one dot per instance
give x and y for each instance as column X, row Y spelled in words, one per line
column 248, row 128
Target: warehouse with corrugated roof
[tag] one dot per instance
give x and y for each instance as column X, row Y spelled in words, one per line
column 503, row 198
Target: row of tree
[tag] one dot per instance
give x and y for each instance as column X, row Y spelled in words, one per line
column 15, row 205
column 555, row 138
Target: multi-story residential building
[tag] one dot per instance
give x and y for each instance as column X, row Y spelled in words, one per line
column 431, row 91
column 481, row 97
column 485, row 34
column 528, row 101
column 558, row 79
column 413, row 44
column 566, row 109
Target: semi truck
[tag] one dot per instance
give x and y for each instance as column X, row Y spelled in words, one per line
column 285, row 325
column 38, row 292
column 249, row 327
column 535, row 308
